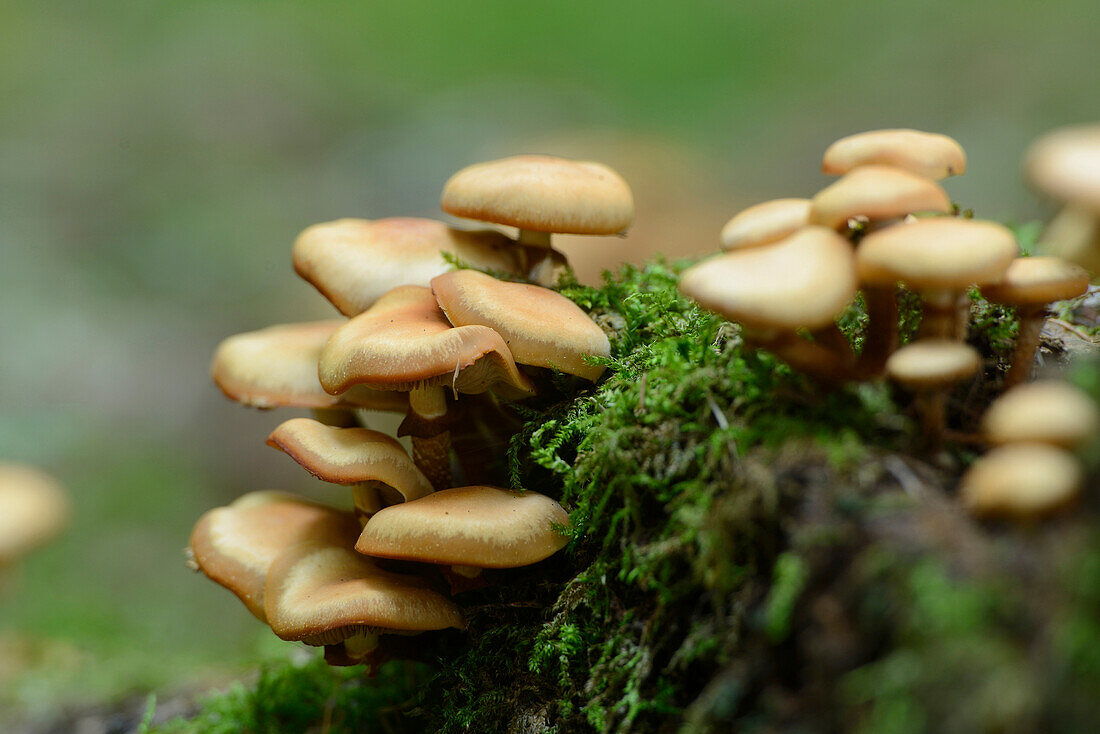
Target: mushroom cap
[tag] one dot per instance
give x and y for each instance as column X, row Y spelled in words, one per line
column 805, row 280
column 404, row 341
column 33, row 509
column 542, row 193
column 1065, row 164
column 483, row 527
column 878, row 193
column 930, row 155
column 1048, row 411
column 933, row 363
column 353, row 262
column 1021, row 480
column 349, row 455
column 542, row 328
column 235, row 545
column 321, row 593
column 1033, row 281
column 765, row 223
column 942, row 252
column 277, row 367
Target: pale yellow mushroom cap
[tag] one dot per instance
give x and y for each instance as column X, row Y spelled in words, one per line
column 932, row 364
column 879, row 193
column 404, row 341
column 350, row 455
column 942, row 252
column 930, row 155
column 353, row 262
column 765, row 223
column 483, row 527
column 1048, row 411
column 1065, row 164
column 805, row 280
column 1031, row 281
column 322, row 593
column 542, row 328
column 542, row 193
column 277, row 367
column 1021, row 481
column 33, row 509
column 235, row 545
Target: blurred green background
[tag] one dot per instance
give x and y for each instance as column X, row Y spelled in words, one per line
column 157, row 160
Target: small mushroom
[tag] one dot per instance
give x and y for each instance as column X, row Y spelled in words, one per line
column 542, row 328
column 1021, row 481
column 353, row 262
column 930, row 155
column 1048, row 411
column 33, row 510
column 376, row 465
column 323, row 593
column 235, row 545
column 803, row 281
column 940, row 258
column 930, row 367
column 468, row 528
column 405, row 343
column 277, row 367
column 541, row 195
column 765, row 223
column 878, row 194
column 1031, row 284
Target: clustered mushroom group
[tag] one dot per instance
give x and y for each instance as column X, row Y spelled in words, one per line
column 447, row 348
column 792, row 267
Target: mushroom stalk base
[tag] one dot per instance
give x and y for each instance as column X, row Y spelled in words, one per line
column 431, row 454
column 1027, row 342
column 945, row 314
column 881, row 338
column 932, row 413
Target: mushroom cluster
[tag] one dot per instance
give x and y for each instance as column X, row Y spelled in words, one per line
column 447, row 348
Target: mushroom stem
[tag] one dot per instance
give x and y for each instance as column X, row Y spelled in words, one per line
column 941, row 318
column 470, row 572
column 361, row 644
column 1074, row 235
column 881, row 337
column 1027, row 342
column 431, row 450
column 932, row 412
column 538, row 255
column 811, row 358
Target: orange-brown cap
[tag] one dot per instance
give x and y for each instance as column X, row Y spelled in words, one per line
column 353, row 262
column 1065, row 164
column 322, row 593
column 277, row 367
column 404, row 341
column 805, row 280
column 542, row 328
column 483, row 527
column 879, row 193
column 941, row 252
column 1032, row 281
column 1048, row 411
column 929, row 155
column 236, row 545
column 33, row 509
column 765, row 223
column 350, row 456
column 1021, row 481
column 542, row 193
column 931, row 364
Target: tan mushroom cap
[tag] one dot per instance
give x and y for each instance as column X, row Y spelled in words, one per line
column 542, row 328
column 930, row 155
column 482, row 527
column 277, row 367
column 321, row 593
column 933, row 363
column 542, row 193
column 1048, row 411
column 765, row 223
column 33, row 509
column 942, row 252
column 1033, row 281
column 235, row 545
column 353, row 262
column 805, row 280
column 1021, row 481
column 1065, row 164
column 878, row 193
column 404, row 341
column 350, row 455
